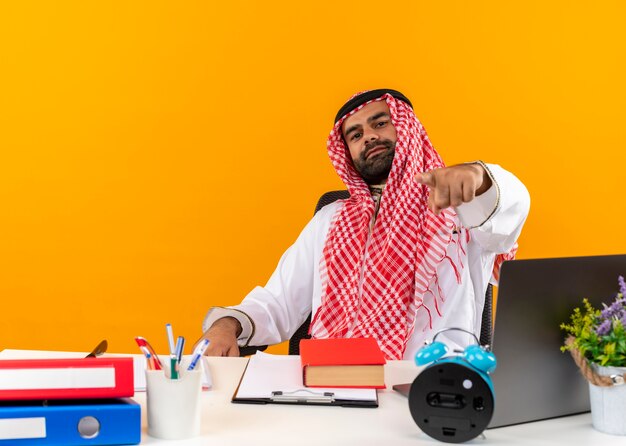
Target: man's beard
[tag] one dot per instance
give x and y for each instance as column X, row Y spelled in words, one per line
column 376, row 169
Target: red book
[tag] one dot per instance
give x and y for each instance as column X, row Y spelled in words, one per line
column 72, row 378
column 342, row 362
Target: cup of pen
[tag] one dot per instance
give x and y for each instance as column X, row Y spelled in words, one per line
column 174, row 401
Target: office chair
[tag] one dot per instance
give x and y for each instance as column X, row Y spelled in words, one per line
column 486, row 327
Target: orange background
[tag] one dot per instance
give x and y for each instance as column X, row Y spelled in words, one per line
column 157, row 158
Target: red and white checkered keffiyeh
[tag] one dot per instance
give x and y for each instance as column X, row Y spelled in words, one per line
column 405, row 246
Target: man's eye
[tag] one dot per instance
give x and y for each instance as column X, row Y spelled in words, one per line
column 355, row 136
column 381, row 124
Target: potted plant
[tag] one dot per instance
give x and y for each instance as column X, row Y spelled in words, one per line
column 597, row 341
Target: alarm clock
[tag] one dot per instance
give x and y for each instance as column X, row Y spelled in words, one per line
column 452, row 399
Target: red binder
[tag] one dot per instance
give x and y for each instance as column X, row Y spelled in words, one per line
column 72, row 378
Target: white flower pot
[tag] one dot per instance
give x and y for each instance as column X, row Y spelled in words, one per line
column 608, row 404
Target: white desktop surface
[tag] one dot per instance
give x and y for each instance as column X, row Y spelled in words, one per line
column 225, row 423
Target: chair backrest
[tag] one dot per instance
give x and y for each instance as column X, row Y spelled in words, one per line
column 486, row 327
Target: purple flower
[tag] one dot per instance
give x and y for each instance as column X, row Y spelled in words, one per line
column 614, row 313
column 603, row 328
column 615, row 309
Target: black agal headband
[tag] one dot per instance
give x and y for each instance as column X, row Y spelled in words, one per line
column 368, row 96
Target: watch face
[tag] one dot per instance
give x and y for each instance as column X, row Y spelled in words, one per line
column 451, row 402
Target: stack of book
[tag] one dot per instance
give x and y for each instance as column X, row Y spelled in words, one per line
column 68, row 402
column 342, row 362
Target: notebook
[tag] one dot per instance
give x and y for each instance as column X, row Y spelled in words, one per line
column 534, row 379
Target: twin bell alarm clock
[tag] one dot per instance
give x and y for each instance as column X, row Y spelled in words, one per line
column 452, row 399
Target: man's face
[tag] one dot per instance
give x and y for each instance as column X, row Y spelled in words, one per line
column 371, row 140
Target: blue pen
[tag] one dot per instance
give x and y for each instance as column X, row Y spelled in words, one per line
column 180, row 344
column 200, row 349
column 170, row 337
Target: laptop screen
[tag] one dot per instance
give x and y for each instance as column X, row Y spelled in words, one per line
column 534, row 380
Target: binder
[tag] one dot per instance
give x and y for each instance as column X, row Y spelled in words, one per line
column 68, row 378
column 277, row 379
column 139, row 364
column 70, row 422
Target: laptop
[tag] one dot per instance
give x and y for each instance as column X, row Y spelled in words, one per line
column 534, row 380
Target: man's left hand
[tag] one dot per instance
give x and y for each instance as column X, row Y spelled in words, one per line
column 454, row 185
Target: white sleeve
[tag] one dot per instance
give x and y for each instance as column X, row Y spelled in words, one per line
column 271, row 314
column 496, row 217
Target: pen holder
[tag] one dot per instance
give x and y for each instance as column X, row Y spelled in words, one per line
column 174, row 404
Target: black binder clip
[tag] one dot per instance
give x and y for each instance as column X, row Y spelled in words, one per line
column 303, row 396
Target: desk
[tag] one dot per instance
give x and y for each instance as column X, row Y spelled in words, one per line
column 224, row 423
column 391, row 424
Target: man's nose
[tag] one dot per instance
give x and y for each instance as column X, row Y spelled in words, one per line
column 370, row 135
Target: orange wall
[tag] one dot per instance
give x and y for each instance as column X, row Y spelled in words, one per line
column 157, row 158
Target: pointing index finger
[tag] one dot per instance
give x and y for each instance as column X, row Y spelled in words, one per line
column 426, row 178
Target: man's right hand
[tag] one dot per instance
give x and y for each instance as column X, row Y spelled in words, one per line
column 222, row 336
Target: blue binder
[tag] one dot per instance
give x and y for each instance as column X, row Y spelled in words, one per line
column 70, row 422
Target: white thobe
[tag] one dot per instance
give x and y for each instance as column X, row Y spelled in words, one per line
column 271, row 314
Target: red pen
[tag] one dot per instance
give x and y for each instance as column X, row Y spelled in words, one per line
column 141, row 342
column 149, row 359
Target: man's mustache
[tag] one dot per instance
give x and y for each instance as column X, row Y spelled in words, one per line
column 372, row 145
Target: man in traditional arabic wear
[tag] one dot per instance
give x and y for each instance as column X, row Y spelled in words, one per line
column 411, row 252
